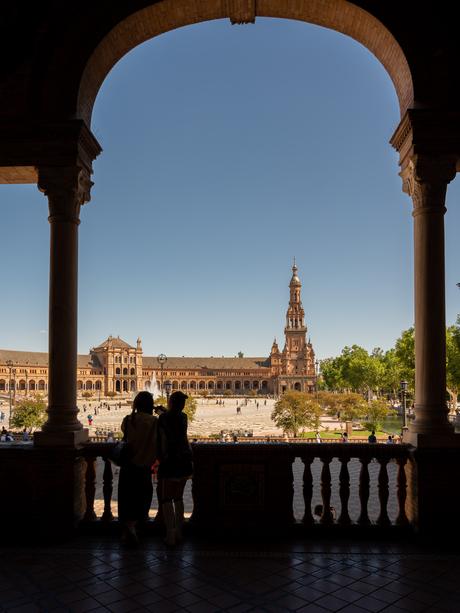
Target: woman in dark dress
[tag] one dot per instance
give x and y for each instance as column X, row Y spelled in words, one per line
column 175, row 455
column 135, row 487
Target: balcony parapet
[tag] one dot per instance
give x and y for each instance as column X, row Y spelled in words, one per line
column 248, row 487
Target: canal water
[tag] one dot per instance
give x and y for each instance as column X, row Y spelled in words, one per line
column 393, row 424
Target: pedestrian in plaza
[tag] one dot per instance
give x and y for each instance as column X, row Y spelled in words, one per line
column 175, row 455
column 390, row 440
column 135, row 488
column 318, row 437
column 25, row 435
column 90, row 420
column 372, row 438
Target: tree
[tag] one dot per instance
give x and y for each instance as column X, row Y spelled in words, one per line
column 189, row 409
column 405, row 353
column 453, row 361
column 391, row 370
column 360, row 371
column 240, row 354
column 296, row 411
column 29, row 414
column 332, row 373
column 377, row 411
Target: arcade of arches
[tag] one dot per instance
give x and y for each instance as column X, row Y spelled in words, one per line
column 55, row 59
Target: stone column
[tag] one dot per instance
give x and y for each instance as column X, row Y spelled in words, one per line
column 425, row 179
column 67, row 188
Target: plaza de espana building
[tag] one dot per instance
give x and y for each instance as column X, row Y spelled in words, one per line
column 116, row 366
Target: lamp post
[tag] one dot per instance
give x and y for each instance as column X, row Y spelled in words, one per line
column 404, row 395
column 162, row 359
column 168, row 386
column 317, row 365
column 10, row 366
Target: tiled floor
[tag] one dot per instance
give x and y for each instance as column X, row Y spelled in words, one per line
column 305, row 576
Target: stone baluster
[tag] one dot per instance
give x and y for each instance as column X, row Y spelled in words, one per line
column 383, row 492
column 67, row 188
column 401, row 492
column 364, row 489
column 326, row 517
column 107, row 490
column 425, row 179
column 344, row 491
column 307, row 490
column 90, row 487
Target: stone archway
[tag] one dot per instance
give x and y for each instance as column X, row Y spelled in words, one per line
column 47, row 114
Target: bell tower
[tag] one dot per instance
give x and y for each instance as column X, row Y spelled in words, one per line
column 298, row 357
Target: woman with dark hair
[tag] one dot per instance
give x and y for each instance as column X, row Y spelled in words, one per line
column 135, row 487
column 175, row 455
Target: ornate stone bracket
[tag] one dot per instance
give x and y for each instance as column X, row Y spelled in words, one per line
column 240, row 11
column 67, row 189
column 425, row 179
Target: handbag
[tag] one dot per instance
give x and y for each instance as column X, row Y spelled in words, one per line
column 122, row 454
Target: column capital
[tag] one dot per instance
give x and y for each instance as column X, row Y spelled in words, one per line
column 67, row 189
column 425, row 180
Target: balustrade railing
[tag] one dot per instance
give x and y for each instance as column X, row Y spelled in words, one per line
column 307, row 453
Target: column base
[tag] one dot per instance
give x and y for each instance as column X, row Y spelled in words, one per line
column 61, row 439
column 427, row 441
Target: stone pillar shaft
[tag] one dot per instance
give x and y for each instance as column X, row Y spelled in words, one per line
column 425, row 179
column 66, row 189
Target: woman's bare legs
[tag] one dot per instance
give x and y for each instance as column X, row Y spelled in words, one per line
column 173, row 491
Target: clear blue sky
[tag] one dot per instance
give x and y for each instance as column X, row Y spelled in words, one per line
column 227, row 151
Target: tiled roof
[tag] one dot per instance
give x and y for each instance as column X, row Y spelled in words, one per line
column 34, row 358
column 117, row 343
column 210, row 363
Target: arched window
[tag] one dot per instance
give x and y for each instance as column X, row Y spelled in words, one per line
column 125, row 371
column 246, row 385
column 210, row 385
column 297, row 387
column 237, row 385
column 117, row 371
column 132, row 371
column 228, row 385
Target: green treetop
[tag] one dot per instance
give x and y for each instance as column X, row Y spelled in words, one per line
column 296, row 411
column 30, row 414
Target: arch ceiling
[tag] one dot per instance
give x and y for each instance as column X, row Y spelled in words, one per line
column 168, row 15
